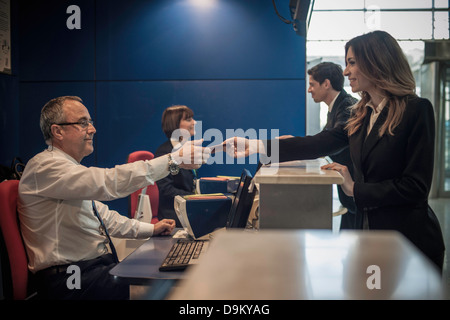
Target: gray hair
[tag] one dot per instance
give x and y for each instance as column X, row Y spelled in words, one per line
column 52, row 113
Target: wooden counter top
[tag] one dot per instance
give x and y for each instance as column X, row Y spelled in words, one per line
column 298, row 172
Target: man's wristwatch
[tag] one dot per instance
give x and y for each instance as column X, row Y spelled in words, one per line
column 174, row 167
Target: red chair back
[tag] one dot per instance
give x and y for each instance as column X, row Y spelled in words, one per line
column 152, row 190
column 9, row 224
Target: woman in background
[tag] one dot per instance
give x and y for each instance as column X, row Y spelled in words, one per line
column 178, row 125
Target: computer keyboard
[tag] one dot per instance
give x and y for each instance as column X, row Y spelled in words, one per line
column 182, row 254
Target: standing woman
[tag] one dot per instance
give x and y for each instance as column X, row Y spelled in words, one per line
column 178, row 125
column 391, row 138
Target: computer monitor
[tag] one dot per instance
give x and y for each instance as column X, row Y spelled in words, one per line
column 242, row 204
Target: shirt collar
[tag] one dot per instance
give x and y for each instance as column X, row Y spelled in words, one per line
column 378, row 108
column 52, row 148
column 332, row 102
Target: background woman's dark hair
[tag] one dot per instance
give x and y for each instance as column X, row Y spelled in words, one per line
column 172, row 117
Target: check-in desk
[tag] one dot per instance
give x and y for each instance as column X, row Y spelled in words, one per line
column 296, row 195
column 311, row 264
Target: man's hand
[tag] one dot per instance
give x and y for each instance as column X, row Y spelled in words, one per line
column 191, row 155
column 164, row 227
column 242, row 147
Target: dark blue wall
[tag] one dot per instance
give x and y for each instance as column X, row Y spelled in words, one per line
column 9, row 99
column 234, row 63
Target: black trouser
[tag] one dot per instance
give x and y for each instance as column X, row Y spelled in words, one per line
column 348, row 219
column 95, row 282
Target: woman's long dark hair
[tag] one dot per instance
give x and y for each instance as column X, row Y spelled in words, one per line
column 381, row 60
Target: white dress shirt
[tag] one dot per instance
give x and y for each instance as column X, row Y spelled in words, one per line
column 376, row 110
column 330, row 106
column 55, row 206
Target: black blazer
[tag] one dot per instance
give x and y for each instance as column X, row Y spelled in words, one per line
column 338, row 117
column 392, row 174
column 171, row 186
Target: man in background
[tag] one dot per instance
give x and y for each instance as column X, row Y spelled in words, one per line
column 326, row 84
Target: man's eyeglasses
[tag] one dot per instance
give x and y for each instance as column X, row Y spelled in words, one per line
column 82, row 123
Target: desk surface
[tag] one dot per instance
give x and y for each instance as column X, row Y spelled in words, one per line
column 142, row 264
column 311, row 264
column 298, row 172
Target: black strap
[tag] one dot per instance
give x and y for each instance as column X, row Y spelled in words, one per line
column 113, row 249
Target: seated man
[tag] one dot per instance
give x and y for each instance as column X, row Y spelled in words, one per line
column 61, row 223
